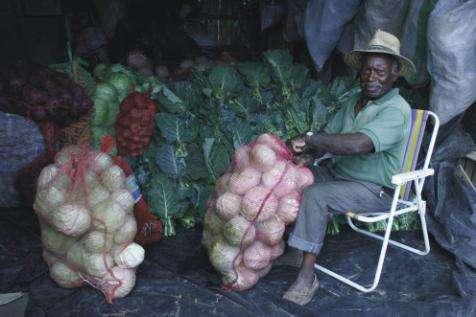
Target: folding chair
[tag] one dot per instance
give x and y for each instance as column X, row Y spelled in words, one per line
column 402, row 202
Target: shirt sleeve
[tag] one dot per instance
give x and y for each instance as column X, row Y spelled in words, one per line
column 386, row 129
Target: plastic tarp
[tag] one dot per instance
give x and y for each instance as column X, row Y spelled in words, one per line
column 452, row 57
column 177, row 279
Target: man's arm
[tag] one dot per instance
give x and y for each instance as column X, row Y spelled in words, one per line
column 340, row 144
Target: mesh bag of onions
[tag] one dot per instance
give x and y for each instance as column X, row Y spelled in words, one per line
column 87, row 223
column 253, row 202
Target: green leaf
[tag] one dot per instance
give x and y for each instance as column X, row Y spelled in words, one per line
column 162, row 197
column 169, row 163
column 217, row 157
column 196, row 166
column 224, row 82
column 256, row 74
column 202, row 193
column 167, row 99
column 175, row 128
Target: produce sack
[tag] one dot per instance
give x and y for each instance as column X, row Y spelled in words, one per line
column 87, row 222
column 21, row 143
column 135, row 124
column 253, row 202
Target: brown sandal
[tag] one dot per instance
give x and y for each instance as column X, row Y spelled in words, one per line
column 303, row 296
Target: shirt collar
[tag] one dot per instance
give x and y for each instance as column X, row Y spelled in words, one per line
column 389, row 95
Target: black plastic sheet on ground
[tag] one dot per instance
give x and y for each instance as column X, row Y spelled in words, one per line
column 176, row 279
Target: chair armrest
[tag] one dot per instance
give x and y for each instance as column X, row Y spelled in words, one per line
column 402, row 178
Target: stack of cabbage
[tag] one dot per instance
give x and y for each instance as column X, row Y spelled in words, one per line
column 252, row 204
column 87, row 222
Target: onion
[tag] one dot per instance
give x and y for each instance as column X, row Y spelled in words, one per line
column 306, row 178
column 259, row 200
column 240, row 279
column 288, row 207
column 276, row 144
column 212, row 222
column 288, row 183
column 257, row 256
column 270, row 231
column 228, row 206
column 277, row 250
column 222, row 256
column 71, row 219
column 222, row 184
column 241, row 182
column 272, row 177
column 239, row 232
column 265, row 271
column 242, row 157
column 262, row 157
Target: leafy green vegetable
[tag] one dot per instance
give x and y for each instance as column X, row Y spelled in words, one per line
column 225, row 82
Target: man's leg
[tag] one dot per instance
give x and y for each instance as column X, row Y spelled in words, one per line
column 318, row 204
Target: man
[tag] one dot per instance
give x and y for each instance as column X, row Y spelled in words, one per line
column 367, row 137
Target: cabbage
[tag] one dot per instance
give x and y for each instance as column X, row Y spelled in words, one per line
column 113, row 178
column 239, row 232
column 122, row 83
column 228, row 206
column 257, row 256
column 101, row 110
column 64, row 275
column 75, row 255
column 64, row 156
column 271, row 230
column 126, row 279
column 124, row 198
column 242, row 181
column 47, row 175
column 97, row 264
column 97, row 241
column 223, row 256
column 106, row 92
column 130, row 257
column 71, row 219
column 262, row 157
column 100, row 161
column 48, row 199
column 96, row 195
column 54, row 241
column 127, row 232
column 212, row 222
column 101, row 72
column 259, row 203
column 108, row 215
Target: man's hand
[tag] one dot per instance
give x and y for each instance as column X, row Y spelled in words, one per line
column 303, row 159
column 297, row 145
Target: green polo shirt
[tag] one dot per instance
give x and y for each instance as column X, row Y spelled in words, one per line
column 386, row 121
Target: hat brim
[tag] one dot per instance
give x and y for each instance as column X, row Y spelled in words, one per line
column 354, row 59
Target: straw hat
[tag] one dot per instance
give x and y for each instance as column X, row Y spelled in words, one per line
column 384, row 43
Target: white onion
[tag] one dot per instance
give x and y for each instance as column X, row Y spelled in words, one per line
column 259, row 203
column 228, row 206
column 131, row 256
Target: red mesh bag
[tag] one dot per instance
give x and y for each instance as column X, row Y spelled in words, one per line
column 87, row 222
column 247, row 214
column 135, row 124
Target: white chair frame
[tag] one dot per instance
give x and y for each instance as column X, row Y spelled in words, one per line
column 398, row 207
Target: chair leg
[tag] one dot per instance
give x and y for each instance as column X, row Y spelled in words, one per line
column 378, row 270
column 426, row 240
